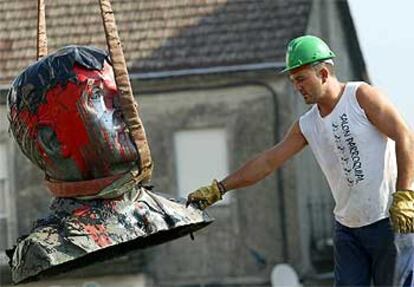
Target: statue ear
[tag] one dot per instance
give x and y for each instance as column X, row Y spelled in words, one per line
column 48, row 140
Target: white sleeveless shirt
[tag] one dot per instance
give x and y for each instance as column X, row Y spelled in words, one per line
column 358, row 161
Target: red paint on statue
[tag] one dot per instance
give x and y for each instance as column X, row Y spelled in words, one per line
column 99, row 234
column 82, row 211
column 60, row 113
column 79, row 115
column 32, row 122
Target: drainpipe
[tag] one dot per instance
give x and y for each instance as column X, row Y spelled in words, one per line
column 279, row 177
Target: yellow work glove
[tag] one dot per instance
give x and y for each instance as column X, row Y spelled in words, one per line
column 206, row 195
column 402, row 211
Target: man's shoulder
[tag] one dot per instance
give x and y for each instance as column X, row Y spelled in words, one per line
column 367, row 93
column 364, row 87
column 307, row 119
column 310, row 112
column 358, row 85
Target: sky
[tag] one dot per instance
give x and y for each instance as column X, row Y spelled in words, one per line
column 386, row 35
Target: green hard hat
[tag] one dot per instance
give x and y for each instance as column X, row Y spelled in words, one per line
column 306, row 50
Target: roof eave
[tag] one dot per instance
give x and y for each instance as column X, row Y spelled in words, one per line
column 206, row 71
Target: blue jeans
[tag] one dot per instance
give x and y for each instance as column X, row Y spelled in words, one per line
column 365, row 254
column 405, row 260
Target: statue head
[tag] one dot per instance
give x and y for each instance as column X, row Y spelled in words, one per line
column 65, row 115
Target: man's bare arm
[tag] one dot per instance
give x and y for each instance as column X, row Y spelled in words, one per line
column 266, row 162
column 383, row 115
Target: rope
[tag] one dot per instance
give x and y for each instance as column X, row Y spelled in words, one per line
column 128, row 105
column 41, row 30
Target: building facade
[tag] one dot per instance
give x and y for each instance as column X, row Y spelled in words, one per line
column 206, row 76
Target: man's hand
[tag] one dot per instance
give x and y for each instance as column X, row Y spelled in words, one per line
column 206, row 195
column 402, row 211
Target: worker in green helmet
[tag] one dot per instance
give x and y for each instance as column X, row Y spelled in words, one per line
column 364, row 148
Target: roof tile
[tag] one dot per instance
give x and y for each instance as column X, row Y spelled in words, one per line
column 157, row 35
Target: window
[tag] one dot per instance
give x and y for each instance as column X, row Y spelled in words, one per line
column 7, row 212
column 201, row 156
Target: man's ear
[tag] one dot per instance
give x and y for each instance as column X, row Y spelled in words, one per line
column 324, row 74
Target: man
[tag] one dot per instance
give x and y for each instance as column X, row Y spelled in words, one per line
column 351, row 129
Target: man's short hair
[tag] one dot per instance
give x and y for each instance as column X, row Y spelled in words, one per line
column 329, row 64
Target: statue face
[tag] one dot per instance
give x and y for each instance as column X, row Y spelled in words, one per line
column 78, row 129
